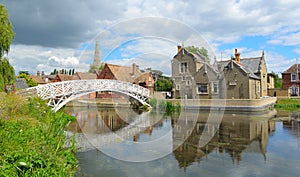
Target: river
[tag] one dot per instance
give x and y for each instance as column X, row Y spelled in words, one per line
column 124, row 142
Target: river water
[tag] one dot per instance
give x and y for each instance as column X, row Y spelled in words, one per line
column 125, row 142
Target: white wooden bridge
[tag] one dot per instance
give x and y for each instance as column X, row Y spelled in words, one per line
column 60, row 93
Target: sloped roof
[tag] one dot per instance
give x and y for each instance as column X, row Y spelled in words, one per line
column 293, row 69
column 21, row 83
column 197, row 56
column 123, row 73
column 247, row 70
column 65, row 77
column 252, row 63
column 142, row 77
column 37, row 79
column 86, row 76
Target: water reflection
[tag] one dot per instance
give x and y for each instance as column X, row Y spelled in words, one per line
column 237, row 133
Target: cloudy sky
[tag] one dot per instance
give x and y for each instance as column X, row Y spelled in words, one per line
column 62, row 33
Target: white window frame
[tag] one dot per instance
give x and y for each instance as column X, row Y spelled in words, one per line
column 293, row 74
column 188, row 83
column 183, row 69
column 213, row 87
column 202, row 93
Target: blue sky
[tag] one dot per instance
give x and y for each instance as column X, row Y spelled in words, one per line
column 147, row 32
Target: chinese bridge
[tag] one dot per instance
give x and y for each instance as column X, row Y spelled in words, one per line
column 60, row 93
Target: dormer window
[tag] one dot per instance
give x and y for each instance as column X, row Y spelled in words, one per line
column 183, row 67
column 293, row 77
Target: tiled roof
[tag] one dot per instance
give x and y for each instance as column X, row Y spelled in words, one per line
column 123, row 73
column 65, row 77
column 86, row 76
column 293, row 69
column 247, row 70
column 142, row 77
column 252, row 63
column 21, row 83
column 37, row 79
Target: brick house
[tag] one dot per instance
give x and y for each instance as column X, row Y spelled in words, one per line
column 127, row 74
column 237, row 78
column 290, row 80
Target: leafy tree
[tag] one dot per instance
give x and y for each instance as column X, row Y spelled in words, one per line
column 93, row 68
column 7, row 73
column 70, row 72
column 28, row 80
column 277, row 81
column 163, row 84
column 73, row 71
column 203, row 51
column 6, row 31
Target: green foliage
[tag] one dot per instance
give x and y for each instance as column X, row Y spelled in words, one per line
column 164, row 105
column 163, row 84
column 203, row 51
column 289, row 104
column 28, row 80
column 277, row 81
column 6, row 31
column 34, row 139
column 6, row 71
column 94, row 68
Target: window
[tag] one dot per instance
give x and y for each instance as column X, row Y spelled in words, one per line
column 202, row 89
column 188, row 83
column 214, row 87
column 183, row 67
column 293, row 77
column 177, row 87
column 183, row 78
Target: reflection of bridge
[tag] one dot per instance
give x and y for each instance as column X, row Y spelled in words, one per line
column 60, row 93
column 86, row 141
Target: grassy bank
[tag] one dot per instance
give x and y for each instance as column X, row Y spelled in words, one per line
column 32, row 139
column 164, row 105
column 287, row 103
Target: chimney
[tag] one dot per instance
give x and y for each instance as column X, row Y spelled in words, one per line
column 237, row 56
column 38, row 73
column 178, row 48
column 43, row 73
column 134, row 69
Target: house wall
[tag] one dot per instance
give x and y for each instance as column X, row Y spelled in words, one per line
column 271, row 82
column 205, row 75
column 241, row 89
column 286, row 80
column 264, row 77
column 106, row 74
column 254, row 89
column 278, row 92
column 184, row 80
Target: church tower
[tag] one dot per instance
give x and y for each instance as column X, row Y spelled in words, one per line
column 97, row 56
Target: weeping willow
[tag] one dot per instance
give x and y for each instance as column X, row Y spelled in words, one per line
column 6, row 71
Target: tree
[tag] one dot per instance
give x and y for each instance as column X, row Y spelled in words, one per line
column 277, row 80
column 6, row 31
column 203, row 51
column 7, row 73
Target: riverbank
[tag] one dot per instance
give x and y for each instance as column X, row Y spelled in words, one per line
column 288, row 103
column 32, row 139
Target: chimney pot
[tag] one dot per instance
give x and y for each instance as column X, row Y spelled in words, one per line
column 134, row 69
column 43, row 73
column 38, row 73
column 178, row 48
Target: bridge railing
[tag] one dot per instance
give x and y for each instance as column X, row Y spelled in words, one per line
column 58, row 89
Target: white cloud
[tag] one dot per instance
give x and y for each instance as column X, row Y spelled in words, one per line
column 69, row 62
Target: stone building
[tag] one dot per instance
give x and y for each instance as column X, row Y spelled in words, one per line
column 237, row 78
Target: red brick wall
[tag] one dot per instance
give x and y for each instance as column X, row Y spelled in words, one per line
column 106, row 73
column 286, row 80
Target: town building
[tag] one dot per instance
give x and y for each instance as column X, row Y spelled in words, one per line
column 290, row 80
column 237, row 78
column 128, row 74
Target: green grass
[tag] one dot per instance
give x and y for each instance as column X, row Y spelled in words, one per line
column 32, row 139
column 288, row 103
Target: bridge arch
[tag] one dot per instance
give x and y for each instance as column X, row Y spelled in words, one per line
column 60, row 93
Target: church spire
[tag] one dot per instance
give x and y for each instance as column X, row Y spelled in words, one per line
column 97, row 55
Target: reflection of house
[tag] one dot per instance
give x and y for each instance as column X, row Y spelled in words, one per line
column 127, row 74
column 233, row 136
column 236, row 78
column 290, row 80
